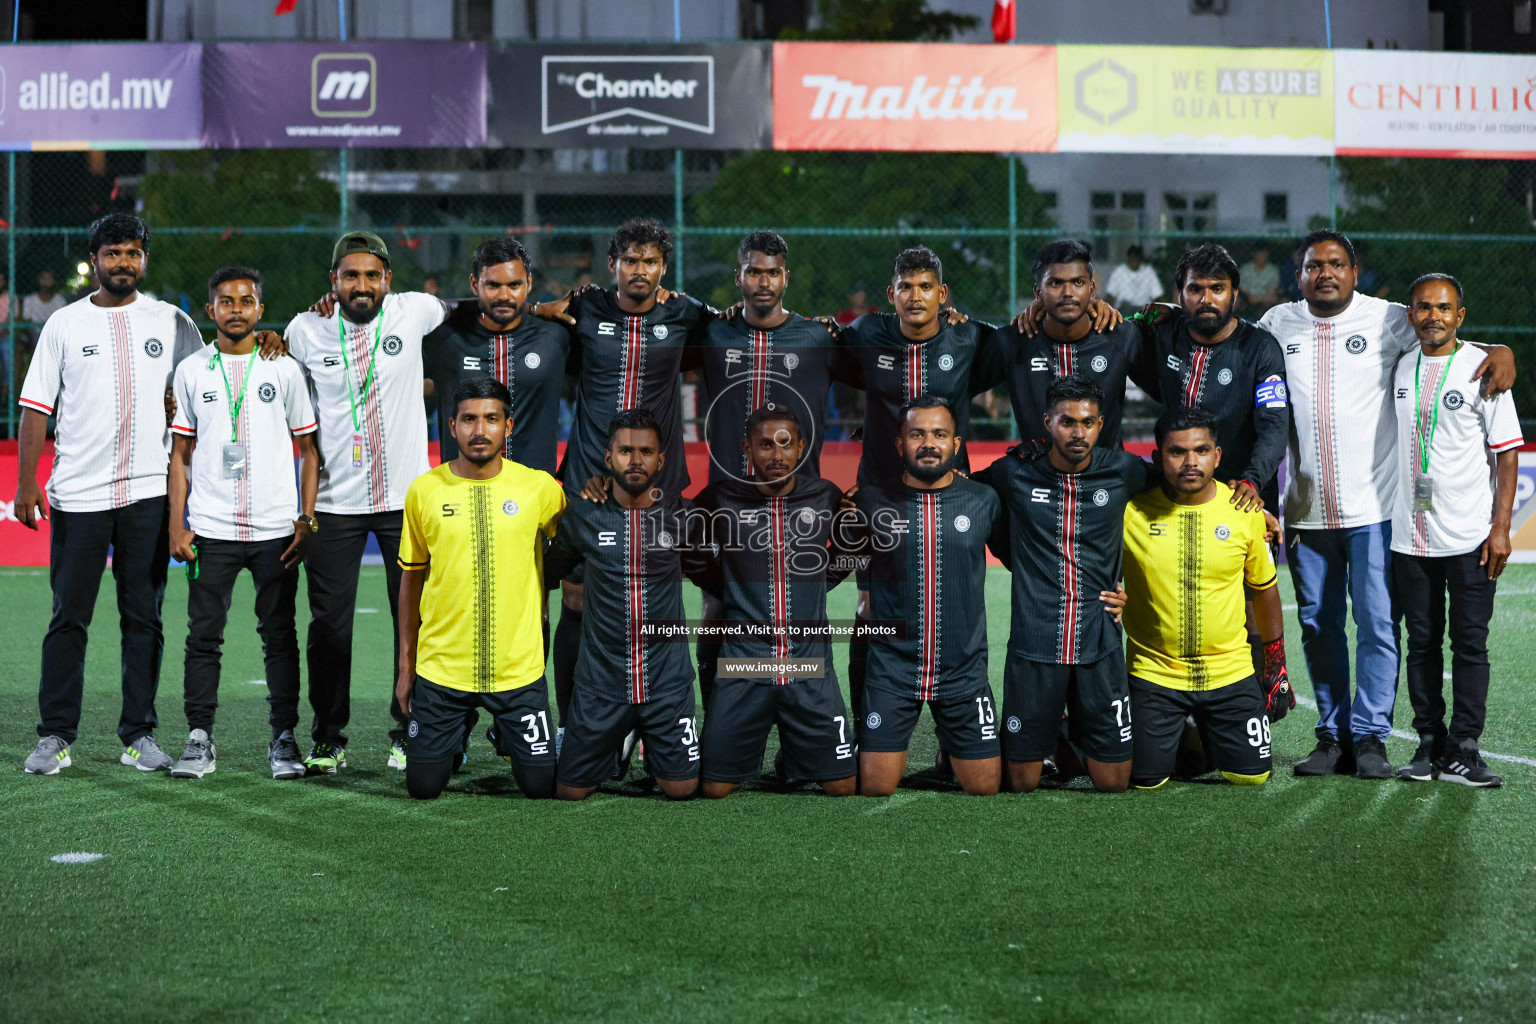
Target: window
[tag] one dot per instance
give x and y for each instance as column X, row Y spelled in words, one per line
column 1101, row 200
column 1277, row 208
column 1133, row 200
column 1186, row 211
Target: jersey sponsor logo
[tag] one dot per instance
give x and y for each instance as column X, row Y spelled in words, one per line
column 791, row 360
column 1013, row 723
column 532, row 360
column 1271, row 393
column 1293, row 348
column 886, row 362
column 89, row 350
column 606, row 329
column 607, row 538
column 153, row 348
column 450, row 510
column 1154, row 529
column 1041, row 494
column 1175, row 363
column 1039, row 364
column 665, row 539
column 962, row 523
column 1355, row 344
column 210, row 396
column 471, row 362
column 1223, row 532
column 1099, row 364
column 946, row 362
column 1224, row 377
column 333, row 360
column 392, row 345
column 509, row 507
column 267, row 393
column 1454, row 400
column 1101, row 497
column 1402, row 392
column 660, row 331
column 873, row 721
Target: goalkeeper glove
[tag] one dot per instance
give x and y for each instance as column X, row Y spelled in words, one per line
column 1279, row 697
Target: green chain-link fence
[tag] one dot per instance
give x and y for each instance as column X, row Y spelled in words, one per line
column 844, row 215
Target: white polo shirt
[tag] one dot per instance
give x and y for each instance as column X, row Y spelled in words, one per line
column 1338, row 369
column 262, row 500
column 104, row 372
column 368, row 398
column 1439, row 405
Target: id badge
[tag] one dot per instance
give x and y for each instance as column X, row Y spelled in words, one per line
column 1423, row 494
column 357, row 451
column 234, row 461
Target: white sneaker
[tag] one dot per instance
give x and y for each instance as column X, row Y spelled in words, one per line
column 145, row 755
column 52, row 753
column 396, row 757
column 198, row 759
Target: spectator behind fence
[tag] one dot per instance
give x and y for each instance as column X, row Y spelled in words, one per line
column 1261, row 283
column 44, row 302
column 1133, row 283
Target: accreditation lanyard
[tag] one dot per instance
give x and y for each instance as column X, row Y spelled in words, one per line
column 378, row 331
column 234, row 402
column 1434, row 417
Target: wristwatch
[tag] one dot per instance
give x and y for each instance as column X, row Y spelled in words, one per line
column 311, row 522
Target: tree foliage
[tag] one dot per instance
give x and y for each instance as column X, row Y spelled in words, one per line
column 884, row 21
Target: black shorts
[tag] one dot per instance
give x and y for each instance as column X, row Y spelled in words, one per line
column 967, row 726
column 1235, row 728
column 1036, row 693
column 595, row 729
column 814, row 731
column 520, row 722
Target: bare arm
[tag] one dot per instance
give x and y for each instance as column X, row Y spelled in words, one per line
column 1267, row 615
column 1496, row 549
column 176, row 487
column 411, row 582
column 1497, row 371
column 309, row 483
column 31, row 502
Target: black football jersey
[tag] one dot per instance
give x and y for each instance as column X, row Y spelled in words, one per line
column 530, row 360
column 634, row 645
column 746, row 368
column 928, row 569
column 773, row 564
column 1061, row 537
column 1033, row 364
column 629, row 361
column 953, row 364
column 1241, row 381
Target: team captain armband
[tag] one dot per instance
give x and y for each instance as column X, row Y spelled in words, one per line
column 1270, row 394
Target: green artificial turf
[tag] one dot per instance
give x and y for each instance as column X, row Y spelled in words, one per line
column 237, row 898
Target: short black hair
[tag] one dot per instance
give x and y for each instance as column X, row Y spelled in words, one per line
column 633, row 419
column 1207, row 260
column 1063, row 250
column 117, row 228
column 1184, row 417
column 1461, row 295
column 769, row 243
column 773, row 414
column 234, row 273
column 641, row 231
column 1327, row 235
column 501, row 249
column 927, row 401
column 1073, row 388
column 916, row 260
column 483, row 386
column 1137, row 251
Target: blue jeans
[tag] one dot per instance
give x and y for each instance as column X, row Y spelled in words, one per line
column 1325, row 566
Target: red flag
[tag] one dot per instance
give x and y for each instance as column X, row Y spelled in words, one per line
column 1003, row 21
column 285, row 6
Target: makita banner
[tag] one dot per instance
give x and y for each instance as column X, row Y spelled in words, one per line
column 287, row 95
column 100, row 96
column 656, row 97
column 914, row 96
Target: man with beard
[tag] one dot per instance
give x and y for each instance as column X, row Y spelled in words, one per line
column 633, row 674
column 499, row 337
column 234, row 505
column 364, row 369
column 1341, row 348
column 1059, row 535
column 771, row 535
column 471, row 600
column 103, row 366
column 926, row 538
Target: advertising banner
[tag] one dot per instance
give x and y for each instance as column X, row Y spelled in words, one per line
column 100, row 96
column 914, row 96
column 695, row 96
column 1193, row 99
column 1395, row 103
column 326, row 95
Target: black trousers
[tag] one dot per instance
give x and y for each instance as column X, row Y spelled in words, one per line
column 331, row 567
column 208, row 595
column 138, row 538
column 1423, row 585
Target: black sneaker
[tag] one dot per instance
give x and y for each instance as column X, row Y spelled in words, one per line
column 1465, row 765
column 1324, row 759
column 1421, row 768
column 1371, row 759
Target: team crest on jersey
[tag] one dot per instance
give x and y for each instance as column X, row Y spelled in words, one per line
column 1355, row 344
column 392, row 345
column 791, row 361
column 153, row 348
column 1223, row 532
column 1454, row 400
column 267, row 393
column 664, row 539
column 1225, row 376
column 946, row 362
column 1099, row 364
column 1013, row 723
column 873, row 721
column 531, row 360
column 807, row 516
column 962, row 523
column 1101, row 497
column 660, row 331
column 412, row 729
column 509, row 507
